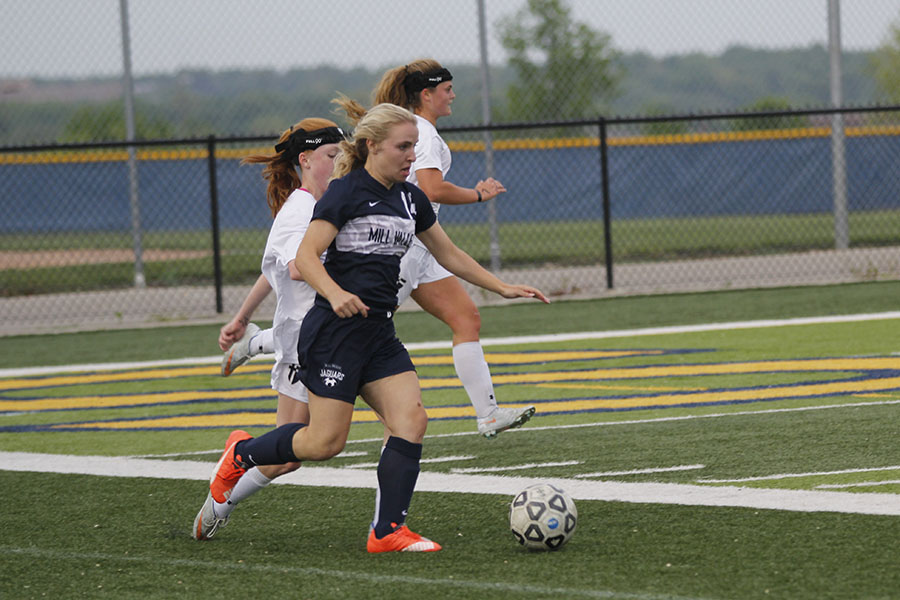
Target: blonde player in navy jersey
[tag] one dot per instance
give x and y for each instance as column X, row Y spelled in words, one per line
column 426, row 88
column 366, row 221
column 311, row 147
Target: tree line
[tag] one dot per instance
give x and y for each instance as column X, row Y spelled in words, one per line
column 262, row 102
column 557, row 69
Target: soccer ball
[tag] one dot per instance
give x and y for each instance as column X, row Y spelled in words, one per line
column 542, row 517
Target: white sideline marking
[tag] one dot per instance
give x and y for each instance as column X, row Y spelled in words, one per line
column 641, row 471
column 379, row 578
column 219, row 450
column 645, row 493
column 438, row 459
column 566, row 463
column 836, row 486
column 171, row 454
column 354, row 454
column 527, row 339
column 810, row 474
column 742, row 413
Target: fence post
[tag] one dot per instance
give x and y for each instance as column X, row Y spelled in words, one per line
column 140, row 280
column 607, row 213
column 488, row 137
column 214, row 215
column 838, row 152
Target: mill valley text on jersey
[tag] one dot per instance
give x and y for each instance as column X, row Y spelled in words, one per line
column 375, row 226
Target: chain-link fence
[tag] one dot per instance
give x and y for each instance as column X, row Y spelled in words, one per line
column 635, row 205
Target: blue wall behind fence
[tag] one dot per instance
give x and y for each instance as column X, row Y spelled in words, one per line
column 766, row 177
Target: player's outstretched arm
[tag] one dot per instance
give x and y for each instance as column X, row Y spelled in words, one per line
column 464, row 266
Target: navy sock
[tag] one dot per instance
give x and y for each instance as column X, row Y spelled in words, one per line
column 273, row 448
column 398, row 471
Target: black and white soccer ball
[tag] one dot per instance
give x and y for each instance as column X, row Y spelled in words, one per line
column 543, row 517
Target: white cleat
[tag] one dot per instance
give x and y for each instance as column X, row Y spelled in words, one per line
column 502, row 419
column 239, row 353
column 206, row 523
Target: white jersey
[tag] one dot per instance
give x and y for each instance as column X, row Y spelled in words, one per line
column 431, row 153
column 294, row 297
column 418, row 266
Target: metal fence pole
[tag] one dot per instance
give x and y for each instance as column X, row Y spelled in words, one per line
column 128, row 83
column 607, row 212
column 488, row 137
column 838, row 158
column 214, row 216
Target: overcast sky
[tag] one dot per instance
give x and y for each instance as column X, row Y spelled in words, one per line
column 77, row 38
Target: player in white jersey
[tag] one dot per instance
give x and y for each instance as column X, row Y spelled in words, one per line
column 311, row 147
column 426, row 88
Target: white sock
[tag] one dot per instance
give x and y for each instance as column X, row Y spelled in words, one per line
column 250, row 482
column 263, row 342
column 473, row 371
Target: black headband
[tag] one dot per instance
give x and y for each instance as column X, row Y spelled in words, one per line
column 300, row 141
column 416, row 81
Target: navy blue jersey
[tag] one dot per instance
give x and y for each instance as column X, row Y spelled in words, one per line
column 375, row 226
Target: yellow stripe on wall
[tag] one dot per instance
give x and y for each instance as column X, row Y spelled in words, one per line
column 82, row 156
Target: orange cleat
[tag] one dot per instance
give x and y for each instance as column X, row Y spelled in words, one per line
column 229, row 468
column 402, row 540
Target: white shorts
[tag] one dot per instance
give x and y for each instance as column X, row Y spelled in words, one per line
column 286, row 380
column 418, row 266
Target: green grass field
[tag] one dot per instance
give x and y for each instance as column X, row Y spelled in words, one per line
column 652, row 431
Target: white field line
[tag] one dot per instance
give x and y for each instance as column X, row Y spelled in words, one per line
column 528, row 339
column 353, row 454
column 171, row 454
column 647, row 493
column 566, row 463
column 810, row 474
column 436, row 459
column 641, row 471
column 219, row 450
column 742, row 413
column 838, row 486
column 251, row 569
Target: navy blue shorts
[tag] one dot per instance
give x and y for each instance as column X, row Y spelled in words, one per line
column 339, row 356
